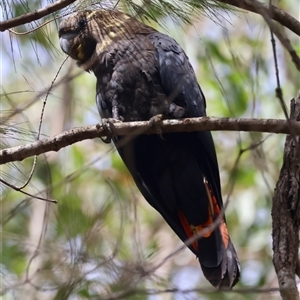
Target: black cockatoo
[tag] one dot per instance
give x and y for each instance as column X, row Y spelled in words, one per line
column 142, row 73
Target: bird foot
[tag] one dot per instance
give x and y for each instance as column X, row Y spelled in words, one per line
column 156, row 122
column 108, row 125
column 176, row 111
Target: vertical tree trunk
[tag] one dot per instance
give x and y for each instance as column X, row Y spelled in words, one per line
column 286, row 213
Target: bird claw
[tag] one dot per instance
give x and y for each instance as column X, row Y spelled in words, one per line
column 156, row 122
column 108, row 125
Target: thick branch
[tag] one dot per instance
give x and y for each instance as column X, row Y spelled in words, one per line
column 278, row 15
column 134, row 128
column 34, row 15
column 286, row 214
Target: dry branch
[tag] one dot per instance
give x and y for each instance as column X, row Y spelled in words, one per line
column 286, row 214
column 278, row 15
column 268, row 13
column 34, row 15
column 134, row 128
column 267, row 16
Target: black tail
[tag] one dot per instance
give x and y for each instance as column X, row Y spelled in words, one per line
column 216, row 253
column 225, row 271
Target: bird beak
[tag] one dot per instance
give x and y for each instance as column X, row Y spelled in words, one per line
column 65, row 41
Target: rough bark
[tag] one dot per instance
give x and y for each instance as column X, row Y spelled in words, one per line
column 286, row 214
column 74, row 135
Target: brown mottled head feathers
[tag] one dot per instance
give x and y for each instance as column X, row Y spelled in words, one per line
column 83, row 31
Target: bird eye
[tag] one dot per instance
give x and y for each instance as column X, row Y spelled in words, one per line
column 81, row 23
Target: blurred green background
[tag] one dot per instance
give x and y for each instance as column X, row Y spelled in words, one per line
column 102, row 240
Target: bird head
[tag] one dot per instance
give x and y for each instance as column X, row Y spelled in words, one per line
column 85, row 34
column 77, row 36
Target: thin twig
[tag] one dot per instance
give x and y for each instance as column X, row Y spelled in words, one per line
column 279, row 93
column 25, row 193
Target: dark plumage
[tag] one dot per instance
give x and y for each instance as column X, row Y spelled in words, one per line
column 141, row 73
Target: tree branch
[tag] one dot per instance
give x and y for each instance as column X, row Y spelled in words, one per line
column 135, row 128
column 268, row 12
column 267, row 16
column 278, row 15
column 34, row 15
column 286, row 214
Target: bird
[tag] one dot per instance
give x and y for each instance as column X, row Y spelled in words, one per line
column 143, row 74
